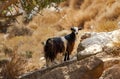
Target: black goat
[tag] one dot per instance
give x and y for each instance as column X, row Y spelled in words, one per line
column 62, row 45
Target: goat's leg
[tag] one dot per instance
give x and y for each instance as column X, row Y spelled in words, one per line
column 49, row 62
column 68, row 57
column 65, row 58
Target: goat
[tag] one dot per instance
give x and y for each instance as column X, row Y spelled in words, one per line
column 62, row 45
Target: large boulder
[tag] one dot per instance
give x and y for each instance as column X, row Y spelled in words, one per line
column 88, row 68
column 95, row 43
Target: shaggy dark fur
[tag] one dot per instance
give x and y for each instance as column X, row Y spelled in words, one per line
column 53, row 47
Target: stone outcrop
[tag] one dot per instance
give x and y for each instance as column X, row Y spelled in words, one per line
column 94, row 42
column 88, row 68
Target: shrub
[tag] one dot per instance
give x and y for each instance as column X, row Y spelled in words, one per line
column 14, row 67
column 106, row 26
column 19, row 31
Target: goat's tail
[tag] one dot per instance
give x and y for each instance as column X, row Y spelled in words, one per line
column 49, row 50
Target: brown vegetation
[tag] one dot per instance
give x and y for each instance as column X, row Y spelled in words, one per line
column 14, row 67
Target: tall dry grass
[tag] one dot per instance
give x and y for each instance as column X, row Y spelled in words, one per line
column 14, row 68
column 91, row 12
column 106, row 26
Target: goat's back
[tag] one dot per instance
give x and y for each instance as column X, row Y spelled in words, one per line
column 53, row 47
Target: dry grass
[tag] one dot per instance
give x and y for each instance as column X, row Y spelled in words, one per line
column 106, row 26
column 18, row 31
column 14, row 67
column 91, row 12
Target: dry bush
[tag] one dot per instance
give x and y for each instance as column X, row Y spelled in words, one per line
column 106, row 26
column 19, row 31
column 14, row 68
column 110, row 13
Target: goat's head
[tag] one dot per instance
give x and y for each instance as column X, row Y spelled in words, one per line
column 76, row 29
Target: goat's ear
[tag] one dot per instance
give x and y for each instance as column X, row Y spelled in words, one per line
column 80, row 28
column 72, row 28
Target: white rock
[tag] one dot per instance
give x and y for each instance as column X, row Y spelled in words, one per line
column 93, row 49
column 97, row 41
column 102, row 38
column 116, row 36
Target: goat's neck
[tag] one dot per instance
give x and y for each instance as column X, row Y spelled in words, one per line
column 71, row 37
